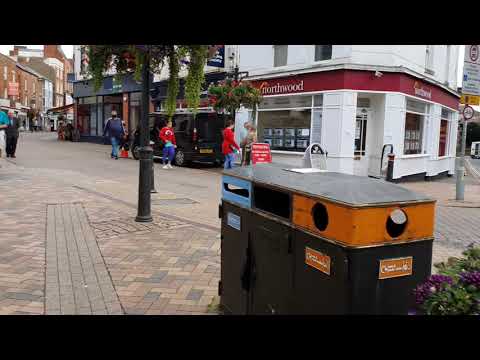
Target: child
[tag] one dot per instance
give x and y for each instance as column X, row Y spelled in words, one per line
column 168, row 137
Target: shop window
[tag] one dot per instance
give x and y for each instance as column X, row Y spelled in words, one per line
column 93, row 120
column 134, row 111
column 360, row 133
column 280, row 55
column 287, row 130
column 444, row 133
column 413, row 133
column 323, row 52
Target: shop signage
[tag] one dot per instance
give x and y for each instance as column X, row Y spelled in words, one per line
column 218, row 58
column 471, row 71
column 5, row 102
column 12, row 89
column 261, row 153
column 317, row 260
column 275, row 89
column 390, row 268
column 422, row 91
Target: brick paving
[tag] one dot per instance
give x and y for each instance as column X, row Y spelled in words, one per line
column 77, row 280
column 170, row 266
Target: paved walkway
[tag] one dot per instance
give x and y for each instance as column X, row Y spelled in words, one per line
column 69, row 244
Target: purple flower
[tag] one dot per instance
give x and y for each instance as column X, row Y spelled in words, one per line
column 471, row 278
column 433, row 284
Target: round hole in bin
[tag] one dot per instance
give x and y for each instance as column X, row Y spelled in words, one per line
column 396, row 223
column 320, row 216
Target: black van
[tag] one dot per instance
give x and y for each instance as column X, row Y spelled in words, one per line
column 198, row 139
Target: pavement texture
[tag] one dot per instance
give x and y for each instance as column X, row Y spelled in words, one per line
column 69, row 243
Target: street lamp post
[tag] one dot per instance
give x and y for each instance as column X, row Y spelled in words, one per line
column 145, row 151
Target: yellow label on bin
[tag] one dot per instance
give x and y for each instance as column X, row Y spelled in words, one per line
column 391, row 268
column 317, row 260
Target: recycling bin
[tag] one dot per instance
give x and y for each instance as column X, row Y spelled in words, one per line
column 236, row 200
column 323, row 243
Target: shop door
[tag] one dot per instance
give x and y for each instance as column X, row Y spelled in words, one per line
column 361, row 163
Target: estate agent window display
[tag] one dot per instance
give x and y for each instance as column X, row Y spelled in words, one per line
column 285, row 122
column 415, row 120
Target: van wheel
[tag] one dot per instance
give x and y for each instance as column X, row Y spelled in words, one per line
column 136, row 152
column 180, row 158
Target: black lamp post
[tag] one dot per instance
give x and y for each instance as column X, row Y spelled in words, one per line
column 145, row 151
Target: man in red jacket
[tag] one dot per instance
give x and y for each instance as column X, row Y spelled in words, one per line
column 169, row 144
column 229, row 146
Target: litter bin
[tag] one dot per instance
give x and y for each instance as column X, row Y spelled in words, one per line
column 322, row 243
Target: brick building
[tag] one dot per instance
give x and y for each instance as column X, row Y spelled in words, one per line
column 8, row 95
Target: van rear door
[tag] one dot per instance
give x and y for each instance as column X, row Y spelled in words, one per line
column 209, row 132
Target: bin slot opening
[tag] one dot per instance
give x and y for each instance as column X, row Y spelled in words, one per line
column 272, row 201
column 320, row 216
column 236, row 190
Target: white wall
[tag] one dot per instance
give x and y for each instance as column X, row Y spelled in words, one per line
column 258, row 59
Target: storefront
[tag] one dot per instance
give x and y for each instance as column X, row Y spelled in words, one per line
column 159, row 92
column 93, row 109
column 353, row 114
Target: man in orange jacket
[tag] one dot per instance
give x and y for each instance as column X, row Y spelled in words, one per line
column 229, row 146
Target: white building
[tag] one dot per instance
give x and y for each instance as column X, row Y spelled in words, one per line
column 354, row 99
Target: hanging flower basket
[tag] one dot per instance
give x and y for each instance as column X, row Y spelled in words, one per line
column 230, row 95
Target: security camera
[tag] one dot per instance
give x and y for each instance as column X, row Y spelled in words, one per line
column 378, row 74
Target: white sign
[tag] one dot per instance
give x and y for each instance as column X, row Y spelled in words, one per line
column 471, row 70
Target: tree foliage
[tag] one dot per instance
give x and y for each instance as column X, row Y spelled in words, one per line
column 126, row 59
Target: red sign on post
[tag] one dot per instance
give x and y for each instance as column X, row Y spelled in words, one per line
column 261, row 153
column 12, row 89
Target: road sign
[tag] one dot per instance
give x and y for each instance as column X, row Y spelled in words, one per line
column 470, row 100
column 471, row 70
column 468, row 112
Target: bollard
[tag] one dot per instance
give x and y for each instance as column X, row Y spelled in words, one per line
column 391, row 161
column 152, row 187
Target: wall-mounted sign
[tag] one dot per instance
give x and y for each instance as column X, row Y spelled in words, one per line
column 12, row 89
column 422, row 91
column 218, row 56
column 317, row 260
column 391, row 268
column 271, row 88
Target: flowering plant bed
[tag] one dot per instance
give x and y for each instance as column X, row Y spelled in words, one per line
column 455, row 290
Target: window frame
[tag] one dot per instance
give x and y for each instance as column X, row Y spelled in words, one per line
column 429, row 64
column 315, row 53
column 448, row 119
column 422, row 134
column 275, row 47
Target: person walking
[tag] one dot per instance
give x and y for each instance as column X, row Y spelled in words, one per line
column 169, row 144
column 12, row 133
column 247, row 142
column 4, row 122
column 229, row 146
column 115, row 131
